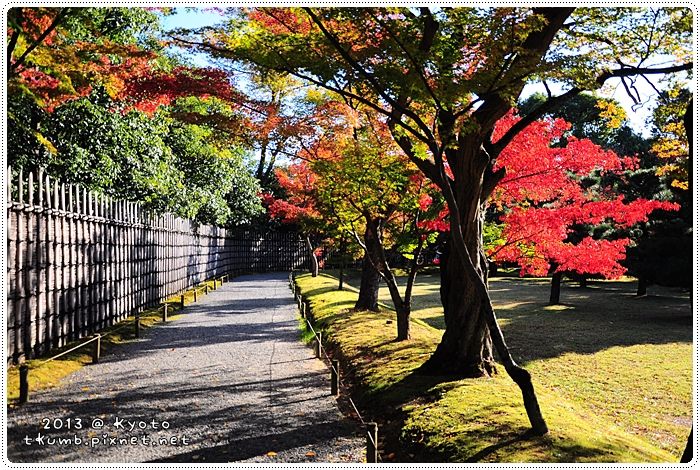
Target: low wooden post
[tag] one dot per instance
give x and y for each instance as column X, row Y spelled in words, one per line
column 96, row 348
column 165, row 312
column 303, row 310
column 335, row 377
column 195, row 294
column 23, row 383
column 206, row 289
column 137, row 325
column 319, row 345
column 182, row 300
column 372, row 433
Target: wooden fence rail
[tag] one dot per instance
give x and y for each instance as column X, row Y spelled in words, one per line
column 80, row 261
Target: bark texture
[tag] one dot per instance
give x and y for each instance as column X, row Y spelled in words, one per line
column 313, row 261
column 555, row 289
column 368, row 298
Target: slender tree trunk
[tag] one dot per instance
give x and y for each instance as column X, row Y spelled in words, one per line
column 688, row 125
column 688, row 452
column 342, row 265
column 555, row 290
column 641, row 287
column 313, row 264
column 401, row 306
column 403, row 322
column 368, row 298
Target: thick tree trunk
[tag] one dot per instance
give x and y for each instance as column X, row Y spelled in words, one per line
column 468, row 350
column 555, row 290
column 466, row 346
column 368, row 298
column 313, row 262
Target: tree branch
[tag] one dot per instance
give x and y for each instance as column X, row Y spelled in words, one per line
column 60, row 16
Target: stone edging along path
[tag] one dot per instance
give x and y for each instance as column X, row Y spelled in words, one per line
column 230, row 381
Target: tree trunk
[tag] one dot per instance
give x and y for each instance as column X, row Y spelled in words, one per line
column 466, row 346
column 687, row 456
column 468, row 349
column 403, row 322
column 641, row 287
column 688, row 124
column 555, row 290
column 313, row 264
column 341, row 274
column 374, row 245
column 368, row 298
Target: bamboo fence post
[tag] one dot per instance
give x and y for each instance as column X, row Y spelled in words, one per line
column 74, row 328
column 11, row 286
column 335, row 377
column 65, row 275
column 23, row 383
column 49, row 273
column 57, row 247
column 29, row 322
column 84, row 272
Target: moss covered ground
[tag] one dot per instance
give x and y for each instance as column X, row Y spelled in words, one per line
column 613, row 373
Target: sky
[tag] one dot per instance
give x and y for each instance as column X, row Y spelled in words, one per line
column 636, row 115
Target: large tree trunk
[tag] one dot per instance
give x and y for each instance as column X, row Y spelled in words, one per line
column 313, row 261
column 555, row 289
column 466, row 346
column 368, row 298
column 471, row 324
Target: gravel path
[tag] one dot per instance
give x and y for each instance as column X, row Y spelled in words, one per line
column 230, row 380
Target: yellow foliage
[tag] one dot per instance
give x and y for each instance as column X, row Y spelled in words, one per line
column 614, row 114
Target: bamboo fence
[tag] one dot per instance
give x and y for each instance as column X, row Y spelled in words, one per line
column 79, row 261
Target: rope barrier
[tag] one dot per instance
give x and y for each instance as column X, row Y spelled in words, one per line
column 330, row 365
column 66, row 352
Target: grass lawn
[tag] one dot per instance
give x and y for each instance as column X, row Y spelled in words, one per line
column 613, row 372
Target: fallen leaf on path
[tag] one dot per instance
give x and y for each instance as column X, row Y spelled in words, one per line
column 271, row 454
column 311, row 454
column 85, row 389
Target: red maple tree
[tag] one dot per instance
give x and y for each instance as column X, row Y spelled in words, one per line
column 544, row 204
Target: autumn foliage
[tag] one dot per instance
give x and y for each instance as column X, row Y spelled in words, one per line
column 545, row 203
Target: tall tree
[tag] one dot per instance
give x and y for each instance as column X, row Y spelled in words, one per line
column 367, row 185
column 444, row 77
column 553, row 222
